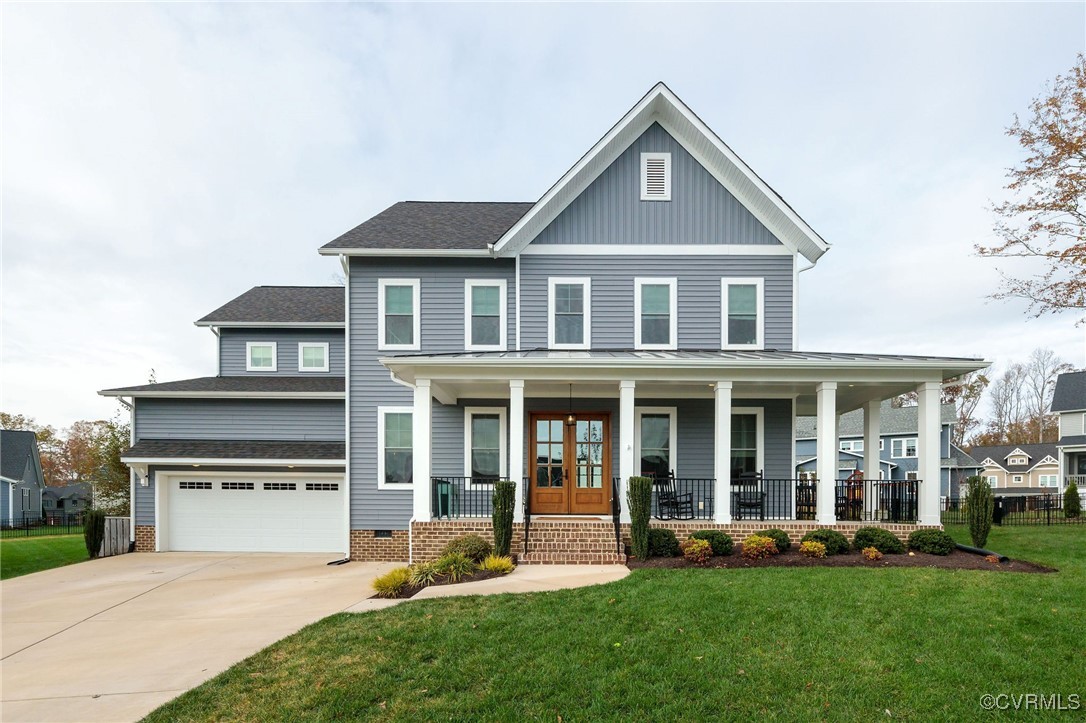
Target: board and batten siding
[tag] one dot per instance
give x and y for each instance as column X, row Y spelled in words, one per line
column 252, row 419
column 232, row 361
column 701, row 211
column 699, row 299
column 441, row 288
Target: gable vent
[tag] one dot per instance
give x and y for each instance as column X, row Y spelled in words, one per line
column 655, row 176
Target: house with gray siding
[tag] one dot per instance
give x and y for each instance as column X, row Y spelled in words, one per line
column 1069, row 402
column 21, row 478
column 639, row 318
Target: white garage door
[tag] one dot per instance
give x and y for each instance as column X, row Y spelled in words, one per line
column 255, row 514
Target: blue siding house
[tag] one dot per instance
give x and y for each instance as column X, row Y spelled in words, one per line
column 637, row 319
column 21, row 478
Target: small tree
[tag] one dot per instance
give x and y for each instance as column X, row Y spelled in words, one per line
column 94, row 531
column 639, row 497
column 1072, row 505
column 504, row 502
column 979, row 505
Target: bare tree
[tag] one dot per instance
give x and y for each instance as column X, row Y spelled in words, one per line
column 1040, row 382
column 965, row 394
column 1005, row 394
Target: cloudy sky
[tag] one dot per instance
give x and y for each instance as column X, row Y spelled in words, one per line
column 160, row 159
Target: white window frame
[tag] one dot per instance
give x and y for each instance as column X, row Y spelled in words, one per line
column 759, row 433
column 1016, row 479
column 672, row 437
column 381, row 412
column 503, row 323
column 673, row 311
column 416, row 308
column 645, row 158
column 912, row 476
column 1018, row 460
column 503, row 434
column 302, row 345
column 880, row 444
column 1048, row 480
column 249, row 356
column 584, row 281
column 992, row 480
column 852, row 445
column 759, row 283
column 904, row 448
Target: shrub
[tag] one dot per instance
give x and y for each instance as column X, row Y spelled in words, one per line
column 1072, row 505
column 979, row 506
column 94, row 531
column 662, row 543
column 472, row 547
column 697, row 551
column 504, row 501
column 779, row 536
column 835, row 542
column 639, row 497
column 810, row 548
column 756, row 547
column 882, row 540
column 393, row 582
column 871, row 553
column 933, row 542
column 424, row 574
column 721, row 542
column 497, row 563
column 454, row 566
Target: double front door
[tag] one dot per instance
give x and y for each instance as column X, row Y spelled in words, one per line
column 570, row 468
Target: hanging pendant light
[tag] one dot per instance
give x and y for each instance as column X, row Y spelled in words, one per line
column 571, row 419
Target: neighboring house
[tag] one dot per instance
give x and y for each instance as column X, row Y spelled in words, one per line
column 64, row 501
column 1069, row 401
column 897, row 447
column 21, row 478
column 1019, row 468
column 639, row 318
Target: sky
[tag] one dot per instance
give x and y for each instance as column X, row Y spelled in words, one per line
column 160, row 159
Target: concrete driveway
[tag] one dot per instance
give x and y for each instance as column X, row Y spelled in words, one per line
column 112, row 639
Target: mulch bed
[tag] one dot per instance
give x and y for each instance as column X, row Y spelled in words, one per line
column 956, row 560
column 412, row 590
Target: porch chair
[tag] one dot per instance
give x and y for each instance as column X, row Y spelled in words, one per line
column 749, row 497
column 670, row 503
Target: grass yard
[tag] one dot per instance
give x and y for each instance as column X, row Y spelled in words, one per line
column 839, row 643
column 22, row 556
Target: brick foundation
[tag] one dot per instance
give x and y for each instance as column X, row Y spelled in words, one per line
column 367, row 548
column 430, row 538
column 145, row 538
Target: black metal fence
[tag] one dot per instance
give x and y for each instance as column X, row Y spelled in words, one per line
column 681, row 498
column 455, row 497
column 44, row 526
column 1040, row 509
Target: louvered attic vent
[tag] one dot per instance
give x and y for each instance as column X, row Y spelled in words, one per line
column 655, row 176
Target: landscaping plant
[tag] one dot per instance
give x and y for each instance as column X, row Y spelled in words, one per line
column 472, row 547
column 721, row 542
column 639, row 498
column 1072, row 504
column 933, row 542
column 94, row 531
column 757, row 547
column 779, row 536
column 455, row 566
column 505, row 493
column 424, row 574
column 393, row 582
column 697, row 551
column 979, row 505
column 810, row 548
column 871, row 553
column 497, row 563
column 663, row 543
column 882, row 540
column 835, row 542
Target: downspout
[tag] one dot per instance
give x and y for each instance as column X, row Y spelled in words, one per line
column 346, row 265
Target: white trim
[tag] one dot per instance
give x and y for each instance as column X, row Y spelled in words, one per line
column 673, row 435
column 1016, row 479
column 403, row 252
column 225, row 395
column 416, row 313
column 381, row 412
column 302, row 345
column 249, row 356
column 346, row 265
column 584, row 281
column 673, row 311
column 503, row 432
column 992, row 480
column 759, row 433
column 503, row 311
column 759, row 284
column 1018, row 453
column 645, row 158
column 905, row 447
column 656, row 250
column 231, row 462
column 516, row 263
column 271, row 324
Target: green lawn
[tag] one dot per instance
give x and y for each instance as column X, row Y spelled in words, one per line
column 22, row 556
column 841, row 643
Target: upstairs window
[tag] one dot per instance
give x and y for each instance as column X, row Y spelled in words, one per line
column 484, row 315
column 395, row 458
column 655, row 314
column 852, row 446
column 742, row 313
column 903, row 448
column 313, row 357
column 398, row 327
column 1018, row 460
column 260, row 356
column 655, row 176
column 569, row 312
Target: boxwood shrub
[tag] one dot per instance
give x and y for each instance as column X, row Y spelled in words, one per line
column 835, row 542
column 933, row 542
column 882, row 540
column 721, row 542
column 473, row 547
column 779, row 536
column 663, row 543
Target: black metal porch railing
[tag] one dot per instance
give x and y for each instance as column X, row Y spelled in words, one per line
column 682, row 498
column 455, row 497
column 857, row 500
column 526, row 482
column 1012, row 510
column 616, row 512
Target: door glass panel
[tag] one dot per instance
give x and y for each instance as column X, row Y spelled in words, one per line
column 549, row 453
column 590, row 453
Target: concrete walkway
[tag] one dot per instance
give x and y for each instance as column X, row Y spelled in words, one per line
column 113, row 639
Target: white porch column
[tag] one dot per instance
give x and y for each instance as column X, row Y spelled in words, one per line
column 826, row 449
column 872, row 458
column 928, row 451
column 626, row 465
column 420, row 452
column 516, row 444
column 722, row 454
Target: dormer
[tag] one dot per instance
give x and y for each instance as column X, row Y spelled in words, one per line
column 1017, row 457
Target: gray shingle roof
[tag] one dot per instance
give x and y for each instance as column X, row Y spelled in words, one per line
column 236, row 385
column 234, row 449
column 17, row 447
column 281, row 305
column 891, row 421
column 78, row 489
column 1000, row 452
column 961, row 458
column 1070, row 393
column 1076, row 439
column 438, row 225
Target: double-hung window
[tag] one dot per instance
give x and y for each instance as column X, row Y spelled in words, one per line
column 1048, row 480
column 313, row 356
column 655, row 314
column 742, row 313
column 655, row 438
column 484, row 442
column 856, row 445
column 395, row 452
column 484, row 314
column 398, row 325
column 260, row 356
column 569, row 313
column 903, row 448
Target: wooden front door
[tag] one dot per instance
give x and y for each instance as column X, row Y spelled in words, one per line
column 570, row 468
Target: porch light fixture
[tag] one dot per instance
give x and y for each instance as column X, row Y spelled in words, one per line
column 571, row 419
